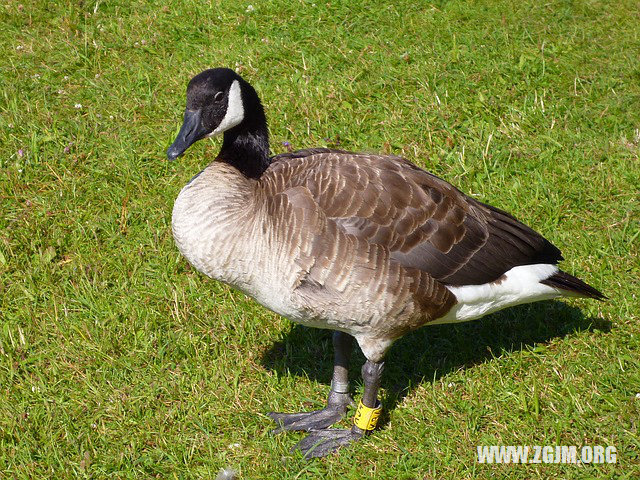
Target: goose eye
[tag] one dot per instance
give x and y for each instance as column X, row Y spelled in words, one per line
column 218, row 96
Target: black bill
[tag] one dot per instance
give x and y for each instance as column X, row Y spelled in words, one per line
column 191, row 131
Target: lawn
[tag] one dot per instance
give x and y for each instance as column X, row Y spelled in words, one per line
column 118, row 360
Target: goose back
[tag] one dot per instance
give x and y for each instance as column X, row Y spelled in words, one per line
column 425, row 222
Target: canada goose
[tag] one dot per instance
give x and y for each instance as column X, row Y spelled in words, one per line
column 370, row 246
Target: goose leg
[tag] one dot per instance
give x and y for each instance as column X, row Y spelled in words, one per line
column 338, row 400
column 322, row 442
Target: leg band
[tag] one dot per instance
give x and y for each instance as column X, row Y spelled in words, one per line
column 340, row 387
column 366, row 418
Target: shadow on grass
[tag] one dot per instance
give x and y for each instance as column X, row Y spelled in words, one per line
column 431, row 352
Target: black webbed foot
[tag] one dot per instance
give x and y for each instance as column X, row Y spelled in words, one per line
column 306, row 421
column 316, row 420
column 323, row 442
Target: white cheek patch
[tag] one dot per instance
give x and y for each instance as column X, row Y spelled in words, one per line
column 235, row 110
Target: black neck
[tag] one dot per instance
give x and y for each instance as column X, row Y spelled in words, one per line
column 246, row 147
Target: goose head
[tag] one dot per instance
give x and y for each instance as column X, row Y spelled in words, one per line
column 219, row 101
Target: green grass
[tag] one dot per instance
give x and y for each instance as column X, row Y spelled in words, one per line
column 118, row 360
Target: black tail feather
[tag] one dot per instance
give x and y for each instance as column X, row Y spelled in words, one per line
column 564, row 281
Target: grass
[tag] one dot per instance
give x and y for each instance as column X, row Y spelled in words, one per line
column 118, row 360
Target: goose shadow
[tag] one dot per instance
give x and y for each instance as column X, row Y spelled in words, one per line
column 429, row 353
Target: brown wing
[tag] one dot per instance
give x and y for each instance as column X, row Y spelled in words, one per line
column 425, row 222
column 338, row 276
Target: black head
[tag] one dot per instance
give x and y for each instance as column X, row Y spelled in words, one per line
column 218, row 100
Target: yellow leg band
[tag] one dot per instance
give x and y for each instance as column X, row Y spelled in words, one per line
column 367, row 418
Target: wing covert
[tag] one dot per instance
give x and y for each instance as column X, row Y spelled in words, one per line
column 425, row 222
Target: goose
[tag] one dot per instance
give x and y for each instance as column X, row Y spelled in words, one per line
column 369, row 246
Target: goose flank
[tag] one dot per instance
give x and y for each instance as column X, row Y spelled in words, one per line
column 370, row 246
